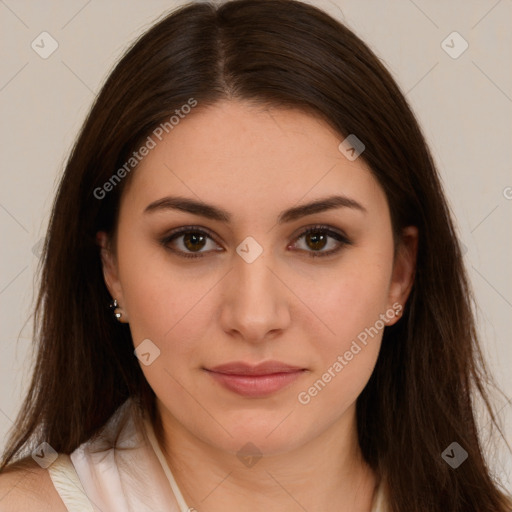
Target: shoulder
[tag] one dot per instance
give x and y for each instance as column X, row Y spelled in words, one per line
column 26, row 487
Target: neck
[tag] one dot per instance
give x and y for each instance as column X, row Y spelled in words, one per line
column 328, row 473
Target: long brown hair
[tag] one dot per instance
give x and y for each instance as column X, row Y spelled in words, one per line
column 289, row 54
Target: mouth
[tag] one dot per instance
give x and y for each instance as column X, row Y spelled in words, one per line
column 256, row 381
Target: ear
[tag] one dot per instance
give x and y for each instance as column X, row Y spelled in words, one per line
column 109, row 265
column 404, row 268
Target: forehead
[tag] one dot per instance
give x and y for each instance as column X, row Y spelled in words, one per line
column 247, row 156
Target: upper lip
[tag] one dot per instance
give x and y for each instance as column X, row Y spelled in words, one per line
column 265, row 368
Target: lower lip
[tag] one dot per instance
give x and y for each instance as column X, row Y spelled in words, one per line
column 256, row 386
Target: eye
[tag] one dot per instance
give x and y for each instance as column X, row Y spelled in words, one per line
column 317, row 238
column 192, row 241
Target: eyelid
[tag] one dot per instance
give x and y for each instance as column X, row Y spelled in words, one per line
column 190, row 228
column 341, row 238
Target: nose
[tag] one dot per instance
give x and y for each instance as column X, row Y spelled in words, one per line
column 255, row 303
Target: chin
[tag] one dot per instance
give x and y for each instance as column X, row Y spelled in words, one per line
column 269, row 436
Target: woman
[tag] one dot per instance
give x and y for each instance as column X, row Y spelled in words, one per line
column 290, row 321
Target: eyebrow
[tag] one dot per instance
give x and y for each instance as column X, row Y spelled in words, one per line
column 212, row 212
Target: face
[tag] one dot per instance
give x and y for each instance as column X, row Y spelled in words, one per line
column 250, row 284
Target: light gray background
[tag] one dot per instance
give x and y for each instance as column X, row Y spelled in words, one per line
column 464, row 106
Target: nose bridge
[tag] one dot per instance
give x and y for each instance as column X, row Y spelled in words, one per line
column 256, row 303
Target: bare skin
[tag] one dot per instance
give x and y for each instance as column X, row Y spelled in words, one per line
column 27, row 487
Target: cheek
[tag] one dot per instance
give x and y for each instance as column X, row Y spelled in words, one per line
column 159, row 294
column 344, row 362
column 356, row 296
column 351, row 308
column 170, row 305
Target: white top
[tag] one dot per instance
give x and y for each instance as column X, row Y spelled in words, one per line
column 133, row 477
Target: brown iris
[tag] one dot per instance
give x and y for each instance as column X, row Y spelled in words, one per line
column 318, row 240
column 194, row 241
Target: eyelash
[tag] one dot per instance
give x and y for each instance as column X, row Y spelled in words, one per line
column 318, row 229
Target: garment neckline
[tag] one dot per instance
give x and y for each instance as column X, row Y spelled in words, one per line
column 167, row 470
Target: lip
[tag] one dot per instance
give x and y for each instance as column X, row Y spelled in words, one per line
column 255, row 381
column 264, row 368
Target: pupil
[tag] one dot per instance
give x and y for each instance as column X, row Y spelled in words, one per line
column 317, row 239
column 191, row 240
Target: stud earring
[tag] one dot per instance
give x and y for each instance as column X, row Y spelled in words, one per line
column 398, row 312
column 117, row 311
